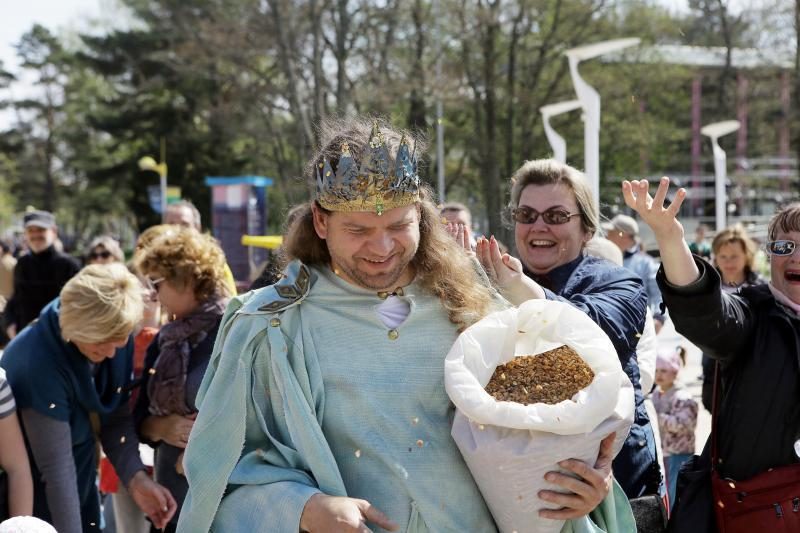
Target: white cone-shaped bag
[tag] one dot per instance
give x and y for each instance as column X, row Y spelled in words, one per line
column 509, row 447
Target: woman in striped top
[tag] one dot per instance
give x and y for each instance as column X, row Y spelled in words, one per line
column 13, row 457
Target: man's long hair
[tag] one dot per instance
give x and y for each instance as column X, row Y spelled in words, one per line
column 442, row 267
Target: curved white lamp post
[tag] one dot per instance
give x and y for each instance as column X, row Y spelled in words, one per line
column 715, row 131
column 557, row 142
column 590, row 100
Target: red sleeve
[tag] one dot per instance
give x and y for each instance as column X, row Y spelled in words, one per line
column 140, row 344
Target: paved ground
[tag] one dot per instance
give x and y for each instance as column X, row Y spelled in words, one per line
column 690, row 376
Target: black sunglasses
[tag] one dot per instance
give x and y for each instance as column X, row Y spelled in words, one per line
column 553, row 216
column 782, row 247
column 100, row 255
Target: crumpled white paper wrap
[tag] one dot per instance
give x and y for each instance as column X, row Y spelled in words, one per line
column 508, row 446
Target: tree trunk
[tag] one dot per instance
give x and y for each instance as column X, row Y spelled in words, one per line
column 511, row 85
column 795, row 110
column 341, row 52
column 287, row 62
column 316, row 9
column 490, row 164
column 416, row 107
column 725, row 75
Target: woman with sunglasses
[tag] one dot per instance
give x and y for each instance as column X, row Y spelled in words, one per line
column 104, row 250
column 554, row 217
column 754, row 334
column 186, row 270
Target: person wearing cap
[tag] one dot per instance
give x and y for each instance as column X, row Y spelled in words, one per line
column 623, row 231
column 323, row 407
column 39, row 275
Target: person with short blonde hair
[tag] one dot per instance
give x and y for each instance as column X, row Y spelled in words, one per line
column 103, row 303
column 70, row 372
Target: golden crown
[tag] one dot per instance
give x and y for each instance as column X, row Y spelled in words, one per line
column 379, row 184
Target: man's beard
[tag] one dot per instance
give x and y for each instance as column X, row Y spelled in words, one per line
column 379, row 282
column 38, row 245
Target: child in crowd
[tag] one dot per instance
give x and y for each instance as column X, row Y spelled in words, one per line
column 13, row 458
column 677, row 415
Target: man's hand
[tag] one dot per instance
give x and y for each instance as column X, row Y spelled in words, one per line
column 587, row 492
column 153, row 499
column 336, row 514
column 11, row 331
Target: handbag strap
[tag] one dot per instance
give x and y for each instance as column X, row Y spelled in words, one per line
column 714, row 413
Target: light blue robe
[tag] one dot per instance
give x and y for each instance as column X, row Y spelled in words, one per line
column 308, row 391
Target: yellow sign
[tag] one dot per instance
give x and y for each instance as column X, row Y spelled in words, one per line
column 263, row 241
column 173, row 195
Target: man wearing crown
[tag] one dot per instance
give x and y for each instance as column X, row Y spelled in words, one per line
column 324, row 407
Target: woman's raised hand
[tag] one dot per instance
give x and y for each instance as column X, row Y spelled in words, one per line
column 679, row 267
column 505, row 272
column 662, row 220
column 502, row 269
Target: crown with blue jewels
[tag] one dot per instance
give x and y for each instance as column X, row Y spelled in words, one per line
column 379, row 184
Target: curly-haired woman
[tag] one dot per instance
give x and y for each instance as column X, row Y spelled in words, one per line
column 186, row 269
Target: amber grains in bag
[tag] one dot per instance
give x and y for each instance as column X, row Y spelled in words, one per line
column 549, row 377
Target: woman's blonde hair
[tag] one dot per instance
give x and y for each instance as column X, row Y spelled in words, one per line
column 736, row 234
column 442, row 267
column 184, row 257
column 551, row 172
column 100, row 303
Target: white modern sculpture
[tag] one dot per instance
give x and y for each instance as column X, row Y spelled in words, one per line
column 715, row 131
column 590, row 100
column 557, row 142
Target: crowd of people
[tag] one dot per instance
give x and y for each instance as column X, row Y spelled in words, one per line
column 316, row 402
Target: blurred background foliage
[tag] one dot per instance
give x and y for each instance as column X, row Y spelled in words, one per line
column 235, row 87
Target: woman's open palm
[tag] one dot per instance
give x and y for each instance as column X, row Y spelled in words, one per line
column 662, row 220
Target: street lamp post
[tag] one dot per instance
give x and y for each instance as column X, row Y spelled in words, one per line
column 590, row 100
column 557, row 142
column 714, row 132
column 148, row 163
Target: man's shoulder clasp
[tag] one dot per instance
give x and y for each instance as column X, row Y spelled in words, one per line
column 290, row 290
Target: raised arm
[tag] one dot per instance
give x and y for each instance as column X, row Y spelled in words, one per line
column 676, row 258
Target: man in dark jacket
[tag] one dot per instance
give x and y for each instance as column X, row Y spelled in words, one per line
column 39, row 275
